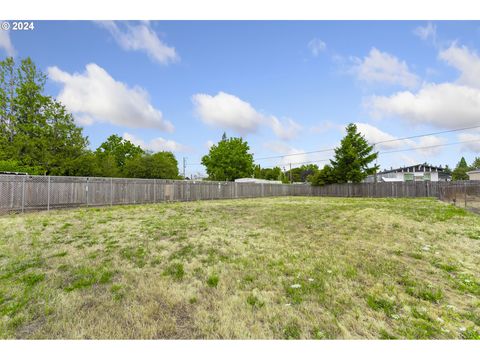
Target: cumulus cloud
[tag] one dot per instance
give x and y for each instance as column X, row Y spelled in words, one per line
column 381, row 67
column 386, row 141
column 156, row 144
column 447, row 105
column 325, row 126
column 141, row 37
column 467, row 62
column 228, row 111
column 6, row 43
column 316, row 46
column 427, row 32
column 375, row 135
column 95, row 96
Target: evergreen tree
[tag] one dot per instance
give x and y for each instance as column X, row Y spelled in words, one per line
column 460, row 171
column 353, row 157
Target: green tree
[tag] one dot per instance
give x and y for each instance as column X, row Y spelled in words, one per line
column 324, row 176
column 267, row 173
column 447, row 170
column 476, row 163
column 302, row 173
column 161, row 165
column 35, row 129
column 228, row 160
column 353, row 157
column 460, row 171
column 120, row 149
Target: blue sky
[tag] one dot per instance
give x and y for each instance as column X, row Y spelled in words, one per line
column 285, row 86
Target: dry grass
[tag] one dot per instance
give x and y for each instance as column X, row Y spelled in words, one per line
column 258, row 268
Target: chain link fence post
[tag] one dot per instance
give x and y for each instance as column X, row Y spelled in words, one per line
column 48, row 193
column 23, row 194
column 86, row 192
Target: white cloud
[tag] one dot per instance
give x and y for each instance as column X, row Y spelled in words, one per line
column 228, row 111
column 446, row 105
column 141, row 37
column 6, row 43
column 427, row 32
column 375, row 135
column 95, row 96
column 431, row 143
column 316, row 46
column 157, row 144
column 285, row 130
column 473, row 142
column 465, row 61
column 381, row 67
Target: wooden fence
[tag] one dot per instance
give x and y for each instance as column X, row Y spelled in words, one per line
column 19, row 193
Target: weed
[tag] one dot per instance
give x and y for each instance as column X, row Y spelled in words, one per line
column 176, row 271
column 292, row 331
column 254, row 301
column 212, row 280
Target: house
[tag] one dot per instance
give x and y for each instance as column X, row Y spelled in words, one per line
column 474, row 174
column 419, row 172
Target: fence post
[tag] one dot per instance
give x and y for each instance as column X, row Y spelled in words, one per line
column 86, row 191
column 48, row 194
column 134, row 192
column 465, row 192
column 111, row 192
column 23, row 194
column 154, row 191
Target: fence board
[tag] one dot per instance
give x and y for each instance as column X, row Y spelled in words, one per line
column 26, row 193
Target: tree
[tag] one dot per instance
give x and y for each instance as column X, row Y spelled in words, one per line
column 324, row 176
column 161, row 165
column 267, row 173
column 352, row 157
column 302, row 173
column 228, row 160
column 460, row 171
column 475, row 164
column 35, row 129
column 120, row 149
column 447, row 170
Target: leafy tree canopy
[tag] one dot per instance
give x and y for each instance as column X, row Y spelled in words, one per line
column 228, row 160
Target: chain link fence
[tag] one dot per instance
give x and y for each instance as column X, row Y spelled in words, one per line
column 20, row 193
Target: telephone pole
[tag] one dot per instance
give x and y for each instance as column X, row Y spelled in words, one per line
column 184, row 166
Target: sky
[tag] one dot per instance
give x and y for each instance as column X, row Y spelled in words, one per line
column 286, row 87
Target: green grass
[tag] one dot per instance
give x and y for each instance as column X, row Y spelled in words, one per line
column 273, row 268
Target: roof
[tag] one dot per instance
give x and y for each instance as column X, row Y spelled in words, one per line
column 476, row 171
column 417, row 167
column 257, row 181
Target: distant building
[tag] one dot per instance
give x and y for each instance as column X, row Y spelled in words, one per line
column 257, row 181
column 474, row 174
column 419, row 172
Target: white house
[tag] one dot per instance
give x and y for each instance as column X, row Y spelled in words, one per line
column 419, row 172
column 474, row 174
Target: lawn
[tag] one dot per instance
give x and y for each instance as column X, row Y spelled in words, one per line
column 282, row 268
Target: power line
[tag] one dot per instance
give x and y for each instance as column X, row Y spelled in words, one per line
column 394, row 151
column 375, row 143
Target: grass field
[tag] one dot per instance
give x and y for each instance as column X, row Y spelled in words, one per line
column 284, row 268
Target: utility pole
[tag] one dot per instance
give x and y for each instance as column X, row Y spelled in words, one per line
column 184, row 166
